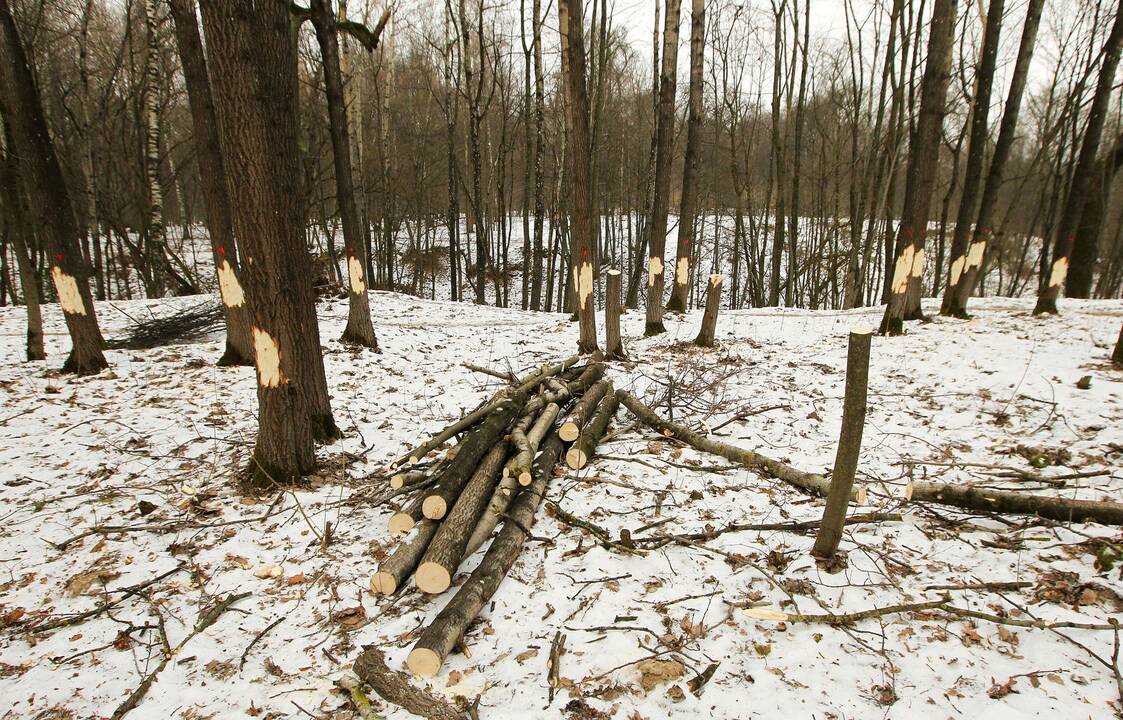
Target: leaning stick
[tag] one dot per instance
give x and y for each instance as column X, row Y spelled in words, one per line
column 578, row 455
column 446, row 550
column 808, row 482
column 1001, row 501
column 570, row 428
column 438, row 639
column 393, row 571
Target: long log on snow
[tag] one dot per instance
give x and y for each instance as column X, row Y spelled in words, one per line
column 808, row 482
column 394, row 570
column 570, row 428
column 1002, row 501
column 459, row 470
column 526, row 444
column 582, row 450
column 525, row 385
column 446, row 550
column 438, row 639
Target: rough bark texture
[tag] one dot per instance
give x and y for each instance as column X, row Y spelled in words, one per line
column 580, row 158
column 1007, row 133
column 526, row 443
column 614, row 345
column 920, row 178
column 688, row 202
column 359, row 329
column 976, row 152
column 45, row 189
column 1085, row 248
column 809, row 482
column 15, row 218
column 156, row 232
column 664, row 147
column 438, row 639
column 446, row 550
column 583, row 449
column 1001, row 501
column 394, row 687
column 570, row 428
column 212, row 174
column 709, row 318
column 849, row 444
column 394, row 570
column 251, row 64
column 1117, row 356
column 1082, row 174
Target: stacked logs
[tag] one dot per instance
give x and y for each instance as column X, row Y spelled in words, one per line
column 495, row 474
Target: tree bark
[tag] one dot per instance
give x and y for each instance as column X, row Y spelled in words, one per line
column 920, row 177
column 614, row 345
column 664, row 147
column 15, row 218
column 396, row 569
column 212, row 175
column 1085, row 248
column 688, row 205
column 849, row 444
column 45, row 189
column 583, row 449
column 156, row 232
column 1082, row 173
column 1117, row 356
column 709, row 318
column 570, row 428
column 1001, row 501
column 539, row 153
column 395, row 687
column 251, row 54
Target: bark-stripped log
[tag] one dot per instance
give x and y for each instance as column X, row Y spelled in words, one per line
column 709, row 318
column 460, row 468
column 614, row 346
column 1001, row 501
column 525, row 385
column 518, row 467
column 446, row 550
column 809, row 482
column 570, row 428
column 393, row 571
column 582, row 451
column 438, row 639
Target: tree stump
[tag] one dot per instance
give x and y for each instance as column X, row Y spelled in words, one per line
column 614, row 346
column 709, row 318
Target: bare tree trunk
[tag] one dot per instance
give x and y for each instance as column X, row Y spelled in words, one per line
column 15, row 218
column 1082, row 174
column 614, row 346
column 251, row 66
column 1117, row 356
column 577, row 117
column 1085, row 248
column 45, row 189
column 921, row 175
column 709, row 318
column 359, row 329
column 664, row 147
column 212, row 174
column 156, row 231
column 688, row 206
column 539, row 152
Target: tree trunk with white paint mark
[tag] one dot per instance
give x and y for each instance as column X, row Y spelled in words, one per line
column 849, row 444
column 359, row 329
column 252, row 66
column 709, row 318
column 570, row 428
column 664, row 149
column 1082, row 174
column 212, row 173
column 1007, row 133
column 577, row 121
column 438, row 639
column 920, row 178
column 689, row 201
column 447, row 549
column 45, row 189
column 614, row 345
column 579, row 455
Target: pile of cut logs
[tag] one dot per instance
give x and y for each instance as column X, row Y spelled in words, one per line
column 496, row 473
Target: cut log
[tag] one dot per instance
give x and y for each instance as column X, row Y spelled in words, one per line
column 582, row 451
column 409, row 478
column 394, row 687
column 405, row 519
column 591, row 374
column 519, row 466
column 1002, row 501
column 446, row 550
column 524, row 386
column 709, row 317
column 808, row 482
column 570, row 428
column 458, row 471
column 614, row 346
column 438, row 639
column 394, row 570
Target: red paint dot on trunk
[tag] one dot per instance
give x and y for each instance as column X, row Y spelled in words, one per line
column 59, row 257
column 222, row 251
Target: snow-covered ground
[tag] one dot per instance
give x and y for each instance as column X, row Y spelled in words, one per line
column 163, row 432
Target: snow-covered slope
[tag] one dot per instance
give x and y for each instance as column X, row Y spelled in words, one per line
column 168, row 428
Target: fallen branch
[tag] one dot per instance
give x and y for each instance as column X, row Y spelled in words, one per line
column 1001, row 501
column 394, row 687
column 794, row 527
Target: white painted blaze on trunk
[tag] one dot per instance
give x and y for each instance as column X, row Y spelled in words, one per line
column 957, row 269
column 229, row 287
column 975, row 254
column 654, row 270
column 1059, row 273
column 918, row 264
column 267, row 356
column 682, row 270
column 584, row 277
column 355, row 274
column 69, row 296
column 902, row 269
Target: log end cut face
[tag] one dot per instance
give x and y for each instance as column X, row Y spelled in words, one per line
column 423, row 662
column 401, row 523
column 432, row 578
column 383, row 583
column 434, row 507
